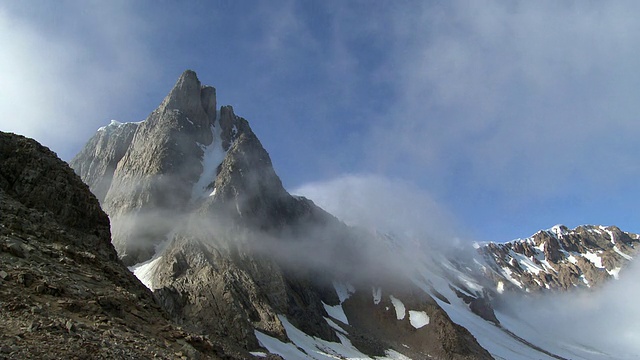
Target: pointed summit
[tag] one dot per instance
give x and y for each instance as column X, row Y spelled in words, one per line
column 148, row 175
column 144, row 173
column 191, row 104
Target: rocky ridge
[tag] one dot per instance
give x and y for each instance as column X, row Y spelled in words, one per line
column 63, row 291
column 560, row 258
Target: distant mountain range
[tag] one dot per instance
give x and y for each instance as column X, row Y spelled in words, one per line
column 239, row 268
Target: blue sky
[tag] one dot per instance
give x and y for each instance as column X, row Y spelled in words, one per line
column 508, row 117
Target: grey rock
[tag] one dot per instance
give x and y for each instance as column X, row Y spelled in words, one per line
column 153, row 180
column 97, row 161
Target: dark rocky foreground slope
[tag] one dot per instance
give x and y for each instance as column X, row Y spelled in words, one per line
column 63, row 292
column 199, row 212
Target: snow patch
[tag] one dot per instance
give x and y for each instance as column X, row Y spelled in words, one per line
column 526, row 263
column 343, row 291
column 558, row 231
column 144, row 271
column 500, row 287
column 611, row 235
column 418, row 319
column 335, row 326
column 584, row 280
column 615, row 272
column 114, row 124
column 616, row 249
column 303, row 346
column 377, row 295
column 594, row 258
column 336, row 312
column 507, row 274
column 399, row 306
column 213, row 156
column 394, row 355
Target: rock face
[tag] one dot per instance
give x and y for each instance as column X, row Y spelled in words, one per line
column 237, row 256
column 560, row 258
column 98, row 160
column 157, row 163
column 63, row 292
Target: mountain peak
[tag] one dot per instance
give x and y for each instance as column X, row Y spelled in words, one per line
column 188, row 97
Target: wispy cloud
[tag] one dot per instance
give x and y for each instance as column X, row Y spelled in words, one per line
column 65, row 65
column 526, row 96
column 602, row 320
column 385, row 205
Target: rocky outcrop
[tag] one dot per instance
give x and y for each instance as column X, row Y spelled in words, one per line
column 560, row 258
column 63, row 292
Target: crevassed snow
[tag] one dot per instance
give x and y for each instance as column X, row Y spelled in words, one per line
column 213, row 156
column 418, row 319
column 336, row 312
column 377, row 295
column 399, row 306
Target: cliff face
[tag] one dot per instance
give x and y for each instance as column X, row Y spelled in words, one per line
column 196, row 205
column 63, row 292
column 97, row 161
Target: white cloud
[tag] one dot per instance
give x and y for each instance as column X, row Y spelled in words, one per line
column 64, row 65
column 603, row 319
column 527, row 97
column 385, row 205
